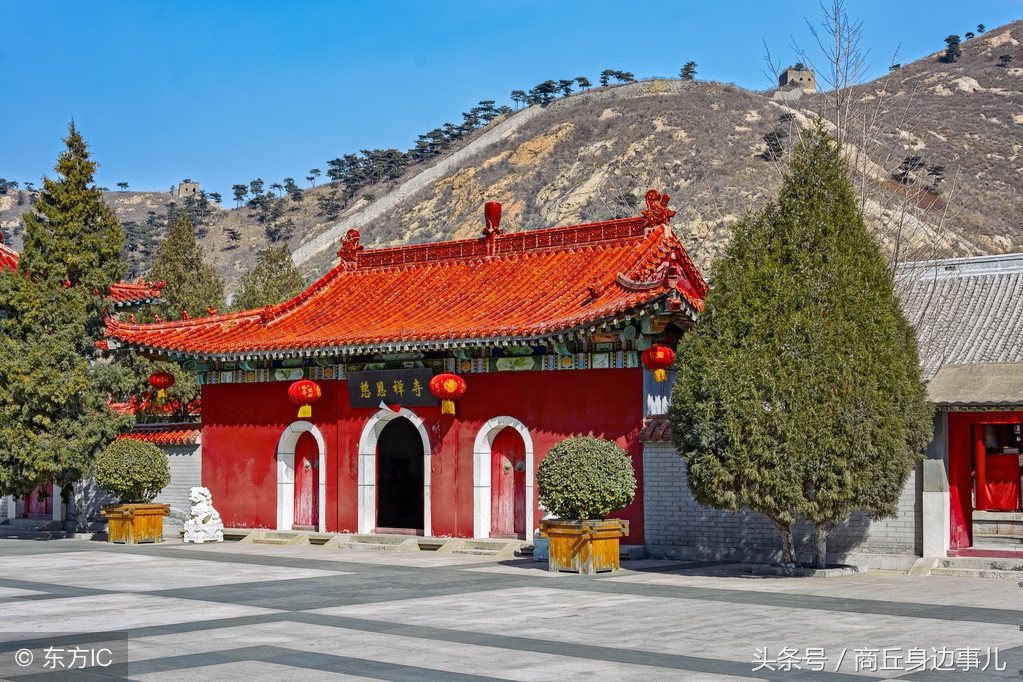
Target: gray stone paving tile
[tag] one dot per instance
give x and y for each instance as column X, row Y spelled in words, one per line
column 832, row 603
column 456, row 657
column 135, row 572
column 244, row 671
column 453, row 613
column 373, row 669
column 546, row 646
column 107, row 612
column 49, row 590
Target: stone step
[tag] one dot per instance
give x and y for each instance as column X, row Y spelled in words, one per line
column 978, row 573
column 32, row 524
column 374, row 539
column 980, row 563
column 998, row 523
column 370, row 546
column 987, row 541
column 476, row 552
column 270, row 541
column 430, row 544
column 486, row 545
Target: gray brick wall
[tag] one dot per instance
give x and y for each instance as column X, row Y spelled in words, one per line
column 95, row 498
column 677, row 527
column 186, row 471
column 185, row 464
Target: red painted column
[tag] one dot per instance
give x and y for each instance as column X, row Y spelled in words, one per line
column 960, row 479
column 980, row 464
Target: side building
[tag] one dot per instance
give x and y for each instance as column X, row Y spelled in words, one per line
column 968, row 316
column 968, row 313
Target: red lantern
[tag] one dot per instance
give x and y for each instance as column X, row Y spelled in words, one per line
column 449, row 388
column 659, row 358
column 161, row 381
column 304, row 393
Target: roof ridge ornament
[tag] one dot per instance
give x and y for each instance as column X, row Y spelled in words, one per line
column 657, row 211
column 350, row 248
column 492, row 216
column 269, row 313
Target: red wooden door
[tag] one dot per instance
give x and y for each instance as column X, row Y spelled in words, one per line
column 508, row 485
column 40, row 501
column 307, row 483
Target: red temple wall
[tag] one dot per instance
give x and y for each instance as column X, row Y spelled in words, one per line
column 242, row 424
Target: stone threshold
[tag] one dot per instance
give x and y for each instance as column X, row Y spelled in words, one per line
column 832, row 571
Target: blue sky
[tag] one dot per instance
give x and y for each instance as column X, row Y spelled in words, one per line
column 224, row 91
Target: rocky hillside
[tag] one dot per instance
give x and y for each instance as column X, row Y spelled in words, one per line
column 935, row 146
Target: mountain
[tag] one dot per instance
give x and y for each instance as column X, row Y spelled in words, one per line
column 935, row 148
column 937, row 161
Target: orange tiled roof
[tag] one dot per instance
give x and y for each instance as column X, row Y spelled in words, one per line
column 8, row 257
column 502, row 287
column 166, row 434
column 122, row 293
column 135, row 293
column 146, row 404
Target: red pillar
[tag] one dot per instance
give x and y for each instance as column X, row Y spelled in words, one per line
column 980, row 464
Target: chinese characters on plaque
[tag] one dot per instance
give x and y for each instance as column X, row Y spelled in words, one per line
column 409, row 387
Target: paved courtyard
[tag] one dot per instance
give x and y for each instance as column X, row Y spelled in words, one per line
column 242, row 611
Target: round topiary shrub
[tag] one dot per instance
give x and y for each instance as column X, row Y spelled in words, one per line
column 133, row 470
column 583, row 477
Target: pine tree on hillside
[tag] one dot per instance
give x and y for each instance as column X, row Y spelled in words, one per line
column 192, row 285
column 275, row 279
column 798, row 394
column 54, row 418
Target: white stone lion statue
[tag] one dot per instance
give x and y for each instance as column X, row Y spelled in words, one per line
column 204, row 524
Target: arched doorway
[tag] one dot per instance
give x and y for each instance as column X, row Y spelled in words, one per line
column 400, row 477
column 508, row 485
column 502, row 437
column 40, row 502
column 304, row 435
column 371, row 432
column 307, row 479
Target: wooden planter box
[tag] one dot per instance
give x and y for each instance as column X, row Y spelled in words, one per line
column 131, row 524
column 584, row 546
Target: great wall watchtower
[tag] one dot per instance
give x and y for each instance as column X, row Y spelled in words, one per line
column 800, row 76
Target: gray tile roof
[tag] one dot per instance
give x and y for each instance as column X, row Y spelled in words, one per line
column 987, row 384
column 965, row 310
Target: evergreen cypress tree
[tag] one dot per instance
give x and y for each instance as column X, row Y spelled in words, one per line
column 192, row 285
column 798, row 395
column 53, row 389
column 73, row 238
column 275, row 279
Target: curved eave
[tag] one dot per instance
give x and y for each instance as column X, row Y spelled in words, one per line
column 597, row 324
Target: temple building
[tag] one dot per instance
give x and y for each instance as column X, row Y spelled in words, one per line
column 318, row 413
